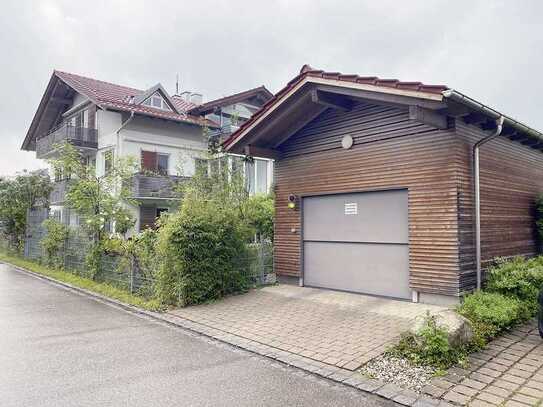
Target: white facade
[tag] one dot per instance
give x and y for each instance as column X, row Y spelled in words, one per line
column 178, row 144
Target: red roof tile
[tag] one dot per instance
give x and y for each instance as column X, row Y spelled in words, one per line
column 307, row 70
column 118, row 97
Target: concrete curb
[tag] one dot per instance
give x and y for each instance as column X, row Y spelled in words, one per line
column 352, row 379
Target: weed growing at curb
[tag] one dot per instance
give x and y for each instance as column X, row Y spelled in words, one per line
column 81, row 282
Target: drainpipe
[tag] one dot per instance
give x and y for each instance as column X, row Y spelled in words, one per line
column 476, row 175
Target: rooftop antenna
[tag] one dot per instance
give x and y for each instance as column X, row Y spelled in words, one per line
column 177, row 84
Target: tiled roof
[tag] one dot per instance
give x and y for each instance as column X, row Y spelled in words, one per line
column 308, row 71
column 230, row 99
column 110, row 95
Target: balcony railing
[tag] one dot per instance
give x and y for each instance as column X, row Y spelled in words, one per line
column 58, row 194
column 78, row 136
column 155, row 186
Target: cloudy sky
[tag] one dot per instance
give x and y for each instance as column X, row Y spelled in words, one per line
column 491, row 50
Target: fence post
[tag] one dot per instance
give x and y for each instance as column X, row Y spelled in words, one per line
column 131, row 275
column 261, row 260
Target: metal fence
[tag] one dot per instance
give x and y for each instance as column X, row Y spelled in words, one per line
column 127, row 274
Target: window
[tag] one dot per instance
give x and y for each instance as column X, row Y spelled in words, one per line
column 237, row 165
column 154, row 162
column 157, row 102
column 250, row 177
column 200, row 166
column 160, row 211
column 108, row 161
column 162, row 164
column 256, row 176
column 149, row 215
column 80, row 119
column 90, row 162
column 261, row 176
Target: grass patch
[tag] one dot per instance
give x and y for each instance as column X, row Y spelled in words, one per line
column 81, row 282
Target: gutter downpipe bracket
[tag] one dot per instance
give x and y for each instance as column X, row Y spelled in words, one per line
column 477, row 187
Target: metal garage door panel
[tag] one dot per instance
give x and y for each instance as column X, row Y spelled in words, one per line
column 379, row 269
column 361, row 217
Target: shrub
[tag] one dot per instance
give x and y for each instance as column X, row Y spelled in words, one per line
column 200, row 247
column 429, row 347
column 258, row 213
column 53, row 242
column 491, row 313
column 520, row 278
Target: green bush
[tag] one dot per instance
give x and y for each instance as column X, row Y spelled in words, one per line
column 491, row 313
column 258, row 213
column 520, row 278
column 429, row 347
column 53, row 243
column 200, row 248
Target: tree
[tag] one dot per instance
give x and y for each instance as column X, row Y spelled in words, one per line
column 17, row 196
column 99, row 200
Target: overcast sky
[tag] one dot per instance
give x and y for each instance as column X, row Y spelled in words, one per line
column 491, row 50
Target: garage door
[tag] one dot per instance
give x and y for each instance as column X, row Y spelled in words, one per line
column 357, row 242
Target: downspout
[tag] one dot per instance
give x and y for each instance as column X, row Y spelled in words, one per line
column 476, row 176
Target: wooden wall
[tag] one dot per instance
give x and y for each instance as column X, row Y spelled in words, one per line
column 511, row 177
column 389, row 152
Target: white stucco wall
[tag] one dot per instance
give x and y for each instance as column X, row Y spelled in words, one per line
column 183, row 143
column 107, row 123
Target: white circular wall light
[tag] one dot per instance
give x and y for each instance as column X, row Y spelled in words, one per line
column 347, row 142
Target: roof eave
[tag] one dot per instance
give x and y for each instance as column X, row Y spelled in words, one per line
column 304, row 79
column 212, row 104
column 474, row 105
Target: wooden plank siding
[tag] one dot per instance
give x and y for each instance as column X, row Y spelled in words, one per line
column 511, row 176
column 389, row 152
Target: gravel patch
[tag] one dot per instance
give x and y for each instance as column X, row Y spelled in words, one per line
column 399, row 371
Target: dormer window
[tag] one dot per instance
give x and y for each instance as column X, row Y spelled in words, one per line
column 157, row 101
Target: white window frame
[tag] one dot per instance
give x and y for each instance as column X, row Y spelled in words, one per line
column 155, row 96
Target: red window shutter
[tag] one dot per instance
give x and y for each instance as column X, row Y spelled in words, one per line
column 148, row 160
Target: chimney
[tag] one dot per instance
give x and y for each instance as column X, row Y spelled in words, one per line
column 196, row 98
column 185, row 95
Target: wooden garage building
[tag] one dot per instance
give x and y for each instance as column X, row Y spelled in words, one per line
column 374, row 183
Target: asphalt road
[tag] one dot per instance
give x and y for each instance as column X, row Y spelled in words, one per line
column 61, row 348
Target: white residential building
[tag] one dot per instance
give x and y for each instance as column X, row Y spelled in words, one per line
column 164, row 132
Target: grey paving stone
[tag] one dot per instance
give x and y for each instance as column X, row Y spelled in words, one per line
column 490, row 398
column 425, row 401
column 480, row 403
column 369, row 385
column 406, row 397
column 457, row 398
column 389, row 390
column 474, row 384
column 466, row 391
column 531, row 401
column 481, row 378
column 434, row 391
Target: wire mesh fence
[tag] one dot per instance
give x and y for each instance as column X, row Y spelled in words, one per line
column 126, row 273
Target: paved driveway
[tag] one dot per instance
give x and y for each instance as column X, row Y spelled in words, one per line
column 508, row 372
column 339, row 329
column 60, row 348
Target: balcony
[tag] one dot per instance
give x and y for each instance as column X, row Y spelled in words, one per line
column 82, row 137
column 58, row 194
column 223, row 132
column 155, row 187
